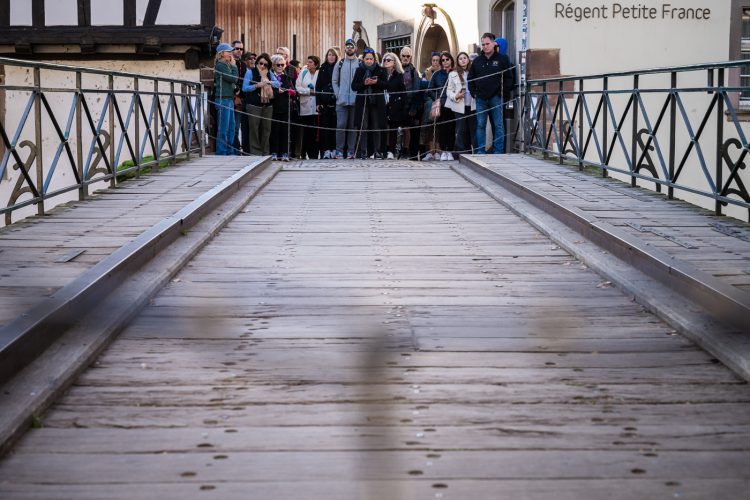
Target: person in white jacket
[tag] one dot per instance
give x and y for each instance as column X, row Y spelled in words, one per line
column 463, row 105
column 308, row 113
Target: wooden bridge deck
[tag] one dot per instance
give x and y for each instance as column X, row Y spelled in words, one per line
column 385, row 330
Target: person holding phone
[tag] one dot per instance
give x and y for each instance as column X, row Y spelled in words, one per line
column 281, row 102
column 463, row 105
column 369, row 116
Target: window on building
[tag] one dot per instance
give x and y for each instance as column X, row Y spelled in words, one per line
column 745, row 54
column 396, row 44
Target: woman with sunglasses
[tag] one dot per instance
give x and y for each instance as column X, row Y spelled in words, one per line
column 258, row 88
column 396, row 111
column 461, row 102
column 438, row 87
column 412, row 103
column 369, row 109
column 225, row 79
column 325, row 99
column 281, row 102
column 426, row 136
column 308, row 111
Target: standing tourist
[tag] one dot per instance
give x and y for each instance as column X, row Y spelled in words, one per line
column 369, row 83
column 292, row 71
column 237, row 49
column 444, row 126
column 248, row 62
column 489, row 80
column 258, row 88
column 427, row 135
column 225, row 80
column 412, row 103
column 283, row 95
column 343, row 74
column 462, row 104
column 395, row 98
column 326, row 102
column 434, row 66
column 308, row 113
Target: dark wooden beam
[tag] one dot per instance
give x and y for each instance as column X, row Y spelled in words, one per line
column 57, row 35
column 37, row 13
column 128, row 15
column 84, row 12
column 208, row 13
column 152, row 11
column 4, row 12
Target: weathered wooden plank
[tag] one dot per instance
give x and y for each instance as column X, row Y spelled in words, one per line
column 613, row 489
column 646, row 439
column 395, row 413
column 280, row 466
column 237, row 391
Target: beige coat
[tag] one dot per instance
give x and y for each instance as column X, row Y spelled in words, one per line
column 454, row 87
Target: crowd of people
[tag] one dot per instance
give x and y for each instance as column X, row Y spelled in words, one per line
column 361, row 105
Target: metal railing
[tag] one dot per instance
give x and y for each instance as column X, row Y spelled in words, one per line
column 677, row 127
column 65, row 128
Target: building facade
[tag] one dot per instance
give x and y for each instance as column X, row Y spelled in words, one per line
column 568, row 38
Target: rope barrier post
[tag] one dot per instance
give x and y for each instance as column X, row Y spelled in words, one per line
column 202, row 116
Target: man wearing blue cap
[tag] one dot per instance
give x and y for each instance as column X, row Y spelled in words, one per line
column 225, row 79
column 343, row 74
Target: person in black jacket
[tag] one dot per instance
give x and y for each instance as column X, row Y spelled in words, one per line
column 325, row 99
column 445, row 126
column 412, row 101
column 396, row 107
column 281, row 110
column 257, row 89
column 369, row 109
column 489, row 81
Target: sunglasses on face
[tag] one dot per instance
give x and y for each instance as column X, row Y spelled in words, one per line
column 406, row 56
column 280, row 65
column 261, row 63
column 238, row 48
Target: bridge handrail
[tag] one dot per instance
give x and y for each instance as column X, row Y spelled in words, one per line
column 648, row 71
column 98, row 133
column 64, row 67
column 648, row 132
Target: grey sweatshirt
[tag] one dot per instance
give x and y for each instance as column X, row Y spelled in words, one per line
column 343, row 74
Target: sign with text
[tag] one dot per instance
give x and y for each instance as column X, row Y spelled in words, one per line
column 627, row 12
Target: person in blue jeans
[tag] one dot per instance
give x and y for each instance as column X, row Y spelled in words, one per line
column 489, row 80
column 225, row 78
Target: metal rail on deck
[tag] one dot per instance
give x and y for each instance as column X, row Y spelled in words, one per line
column 60, row 138
column 695, row 144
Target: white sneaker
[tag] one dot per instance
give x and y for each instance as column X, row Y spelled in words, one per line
column 390, row 155
column 427, row 157
column 327, row 155
column 446, row 156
